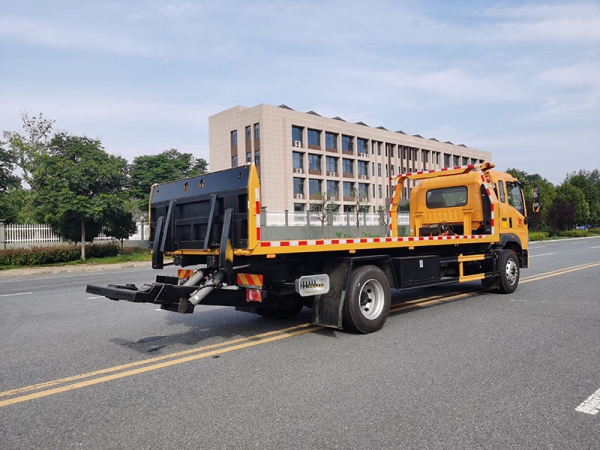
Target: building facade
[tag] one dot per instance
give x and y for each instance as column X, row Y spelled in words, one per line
column 305, row 160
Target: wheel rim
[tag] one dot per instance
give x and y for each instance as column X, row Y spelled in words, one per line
column 512, row 271
column 372, row 299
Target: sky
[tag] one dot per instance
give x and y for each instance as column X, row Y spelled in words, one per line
column 518, row 79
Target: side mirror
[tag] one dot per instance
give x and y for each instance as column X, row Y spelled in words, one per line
column 536, row 206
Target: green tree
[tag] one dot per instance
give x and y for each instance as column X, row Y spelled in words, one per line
column 10, row 184
column 8, row 161
column 360, row 199
column 167, row 166
column 321, row 206
column 561, row 215
column 585, row 182
column 567, row 194
column 79, row 187
column 120, row 224
column 28, row 146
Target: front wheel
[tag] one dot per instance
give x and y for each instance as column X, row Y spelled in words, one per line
column 509, row 272
column 368, row 300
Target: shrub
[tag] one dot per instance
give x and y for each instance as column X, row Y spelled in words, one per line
column 573, row 233
column 38, row 256
column 538, row 236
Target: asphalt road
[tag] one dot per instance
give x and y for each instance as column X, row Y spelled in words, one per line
column 452, row 368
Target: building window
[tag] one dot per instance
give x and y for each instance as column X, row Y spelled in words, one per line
column 426, row 156
column 248, row 134
column 347, row 166
column 363, row 168
column 348, row 189
column 378, row 169
column 234, row 161
column 373, row 169
column 380, row 191
column 298, row 186
column 248, row 157
column 437, row 158
column 446, row 160
column 298, row 207
column 363, row 190
column 347, row 143
column 296, row 135
column 465, row 161
column 234, row 138
column 392, row 170
column 331, row 140
column 257, row 157
column 362, row 146
column 332, row 188
column 456, row 160
column 391, row 150
column 314, row 187
column 314, row 138
column 256, row 131
column 332, row 164
column 314, row 163
column 298, row 162
column 403, row 152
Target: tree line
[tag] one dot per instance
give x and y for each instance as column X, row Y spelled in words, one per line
column 575, row 202
column 73, row 184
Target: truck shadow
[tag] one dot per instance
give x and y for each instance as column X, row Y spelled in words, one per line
column 211, row 325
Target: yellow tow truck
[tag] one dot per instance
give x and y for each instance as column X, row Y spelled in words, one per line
column 467, row 223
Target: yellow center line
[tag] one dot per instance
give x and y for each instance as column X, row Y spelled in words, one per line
column 25, row 393
column 161, row 365
column 146, row 361
column 558, row 272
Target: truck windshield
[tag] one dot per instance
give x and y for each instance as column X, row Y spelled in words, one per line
column 515, row 196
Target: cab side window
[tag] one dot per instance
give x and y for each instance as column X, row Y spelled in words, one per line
column 501, row 189
column 515, row 196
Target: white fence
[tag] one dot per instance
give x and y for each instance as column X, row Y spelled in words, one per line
column 304, row 218
column 40, row 233
column 25, row 233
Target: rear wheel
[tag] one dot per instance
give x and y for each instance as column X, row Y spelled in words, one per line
column 368, row 300
column 509, row 272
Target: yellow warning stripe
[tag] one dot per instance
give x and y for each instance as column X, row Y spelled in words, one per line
column 249, row 279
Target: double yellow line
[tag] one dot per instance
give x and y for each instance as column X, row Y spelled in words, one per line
column 558, row 272
column 48, row 388
column 40, row 390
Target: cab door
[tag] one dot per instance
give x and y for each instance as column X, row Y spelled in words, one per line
column 512, row 209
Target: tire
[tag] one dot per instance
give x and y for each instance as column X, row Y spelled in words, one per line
column 508, row 265
column 368, row 300
column 283, row 313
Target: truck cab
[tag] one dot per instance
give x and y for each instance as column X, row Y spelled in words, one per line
column 474, row 203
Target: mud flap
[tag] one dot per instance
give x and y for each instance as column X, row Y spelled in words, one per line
column 327, row 308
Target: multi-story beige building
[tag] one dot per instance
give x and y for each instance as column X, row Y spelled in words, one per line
column 302, row 157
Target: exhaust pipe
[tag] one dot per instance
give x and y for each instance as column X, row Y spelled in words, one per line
column 201, row 293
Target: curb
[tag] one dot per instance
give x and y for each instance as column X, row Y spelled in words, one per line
column 22, row 272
